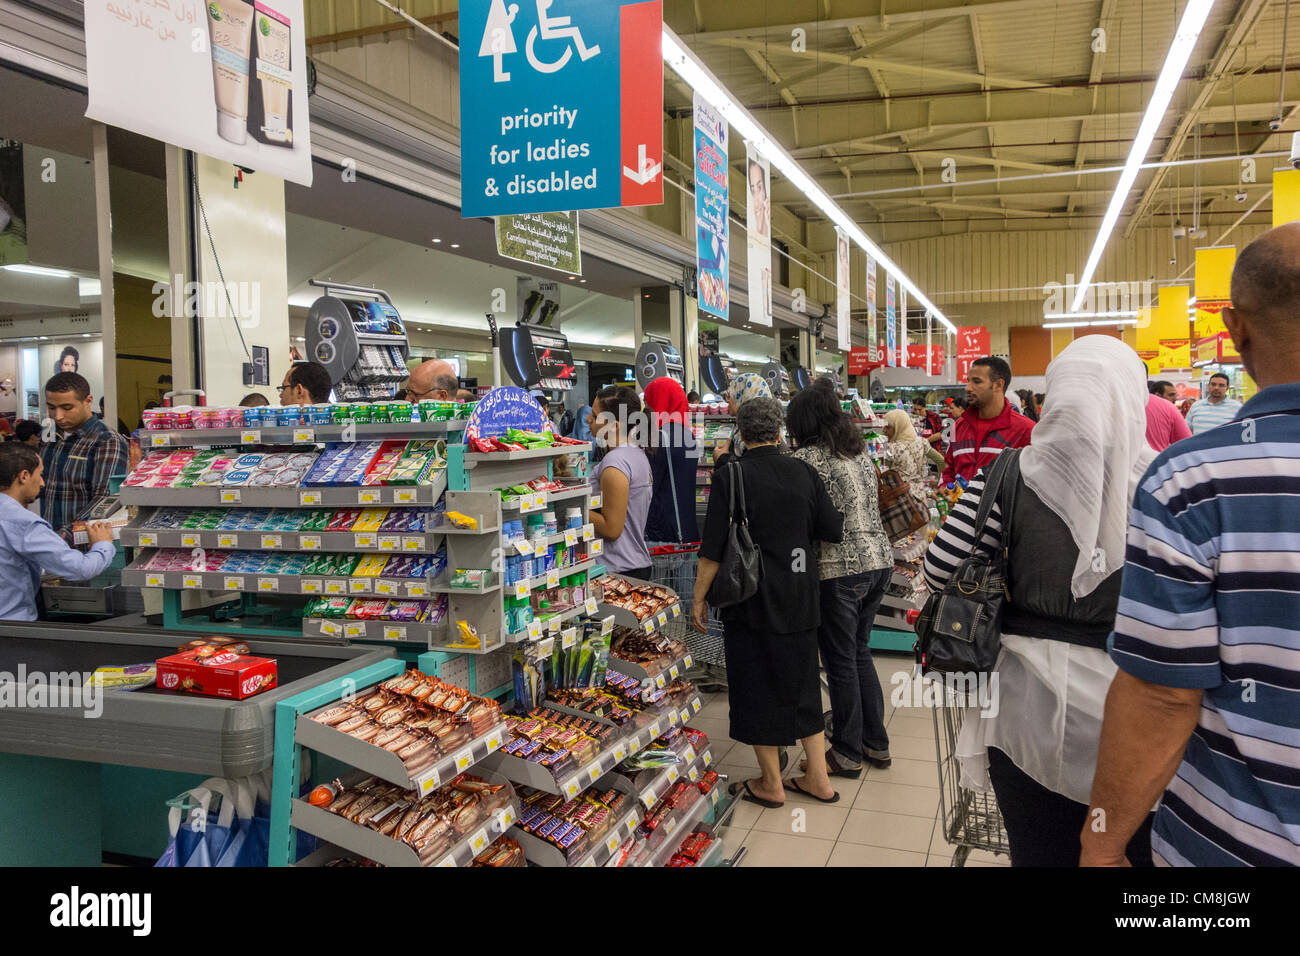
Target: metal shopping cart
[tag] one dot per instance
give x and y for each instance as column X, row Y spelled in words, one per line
column 674, row 566
column 971, row 819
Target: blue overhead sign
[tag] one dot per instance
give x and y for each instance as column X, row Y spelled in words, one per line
column 561, row 105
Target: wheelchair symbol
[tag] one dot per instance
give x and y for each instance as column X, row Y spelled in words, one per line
column 555, row 28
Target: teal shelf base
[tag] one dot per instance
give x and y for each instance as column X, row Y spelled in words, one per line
column 884, row 639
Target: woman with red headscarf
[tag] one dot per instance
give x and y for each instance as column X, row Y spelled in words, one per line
column 673, row 456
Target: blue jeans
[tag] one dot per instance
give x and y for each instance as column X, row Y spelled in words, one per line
column 848, row 610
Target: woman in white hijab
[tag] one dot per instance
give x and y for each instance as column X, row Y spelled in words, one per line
column 1035, row 735
column 906, row 452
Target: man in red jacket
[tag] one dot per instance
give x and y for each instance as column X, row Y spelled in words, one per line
column 989, row 423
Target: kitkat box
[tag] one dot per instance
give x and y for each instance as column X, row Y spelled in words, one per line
column 225, row 674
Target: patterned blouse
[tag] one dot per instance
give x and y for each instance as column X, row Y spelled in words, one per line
column 852, row 487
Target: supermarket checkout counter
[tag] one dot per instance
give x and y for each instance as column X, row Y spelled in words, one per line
column 66, row 793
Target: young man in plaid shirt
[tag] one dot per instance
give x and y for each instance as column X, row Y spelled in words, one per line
column 84, row 455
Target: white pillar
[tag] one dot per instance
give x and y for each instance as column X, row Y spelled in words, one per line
column 104, row 236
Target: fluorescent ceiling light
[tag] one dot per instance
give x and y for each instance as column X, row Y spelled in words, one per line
column 1185, row 37
column 41, row 271
column 1092, row 315
column 686, row 65
column 88, row 288
column 1064, row 325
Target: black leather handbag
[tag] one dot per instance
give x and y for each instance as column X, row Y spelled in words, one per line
column 960, row 628
column 741, row 568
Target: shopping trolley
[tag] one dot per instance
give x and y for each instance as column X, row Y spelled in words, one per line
column 674, row 566
column 971, row 819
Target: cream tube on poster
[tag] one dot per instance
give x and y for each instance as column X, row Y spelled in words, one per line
column 230, row 25
column 272, row 35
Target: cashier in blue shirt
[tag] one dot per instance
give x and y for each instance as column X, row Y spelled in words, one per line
column 29, row 546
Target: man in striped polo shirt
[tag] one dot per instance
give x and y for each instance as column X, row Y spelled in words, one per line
column 1205, row 708
column 1214, row 410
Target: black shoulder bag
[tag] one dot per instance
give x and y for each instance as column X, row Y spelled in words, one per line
column 741, row 568
column 960, row 628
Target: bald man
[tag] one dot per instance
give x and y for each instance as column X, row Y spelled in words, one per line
column 434, row 379
column 1203, row 714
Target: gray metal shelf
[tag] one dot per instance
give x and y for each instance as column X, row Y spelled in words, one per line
column 297, row 434
column 625, row 618
column 540, row 500
column 368, row 542
column 659, row 678
column 296, row 497
column 375, row 760
column 436, row 637
column 473, row 458
column 313, row 585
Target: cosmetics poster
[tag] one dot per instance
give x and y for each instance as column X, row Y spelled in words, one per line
column 711, row 223
column 226, row 78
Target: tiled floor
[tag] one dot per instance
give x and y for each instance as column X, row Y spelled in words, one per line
column 884, row 818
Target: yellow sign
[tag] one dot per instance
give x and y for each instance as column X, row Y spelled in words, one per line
column 1171, row 321
column 1147, row 340
column 1286, row 196
column 1213, row 287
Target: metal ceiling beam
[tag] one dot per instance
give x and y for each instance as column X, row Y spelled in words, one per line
column 1248, row 14
column 1094, row 74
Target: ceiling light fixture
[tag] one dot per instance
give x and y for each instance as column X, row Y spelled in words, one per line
column 1189, row 29
column 689, row 67
column 41, row 271
column 435, row 240
column 455, row 245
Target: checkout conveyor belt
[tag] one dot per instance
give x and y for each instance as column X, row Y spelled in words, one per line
column 149, row 727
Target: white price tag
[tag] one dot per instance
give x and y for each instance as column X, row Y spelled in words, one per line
column 158, row 441
column 505, row 818
column 686, row 714
column 311, row 586
column 521, row 589
column 620, row 752
column 250, row 436
column 612, row 844
column 148, row 541
column 672, row 774
column 330, row 628
column 654, row 730
column 230, row 496
column 464, row 759
column 525, row 504
column 595, row 501
column 649, row 625
column 335, row 587
column 672, row 718
column 568, row 637
column 571, row 788
column 479, row 841
column 591, row 605
column 607, row 626
column 588, row 531
column 385, row 587
column 429, row 782
column 494, row 742
column 270, row 541
column 713, row 795
column 677, row 612
column 301, row 435
column 366, row 540
column 390, row 542
column 693, row 774
column 690, row 754
column 309, row 497
column 539, row 500
column 523, row 546
column 232, row 583
column 595, row 548
column 413, row 543
column 707, row 758
column 545, row 647
column 449, row 860
column 648, row 797
column 227, row 541
column 589, row 861
column 593, row 774
column 309, row 542
column 630, row 823
column 673, row 672
column 368, row 496
column 553, row 578
column 189, row 541
column 359, row 585
column 416, row 590
column 268, row 584
column 571, row 537
column 695, row 705
column 404, row 496
column 663, row 618
column 687, row 661
column 354, row 630
column 534, row 630
column 659, row 681
column 192, row 581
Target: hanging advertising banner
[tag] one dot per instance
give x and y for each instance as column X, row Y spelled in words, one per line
column 1172, row 327
column 843, row 307
column 917, row 355
column 902, row 327
column 1286, row 196
column 561, row 105
column 863, row 359
column 226, row 78
column 972, row 344
column 547, row 239
column 758, row 232
column 537, row 301
column 711, row 198
column 891, row 333
column 1213, row 288
column 13, row 205
column 872, row 340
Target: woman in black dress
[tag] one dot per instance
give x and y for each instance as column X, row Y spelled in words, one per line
column 773, row 683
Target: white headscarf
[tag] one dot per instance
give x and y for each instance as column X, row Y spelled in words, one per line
column 1089, row 451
